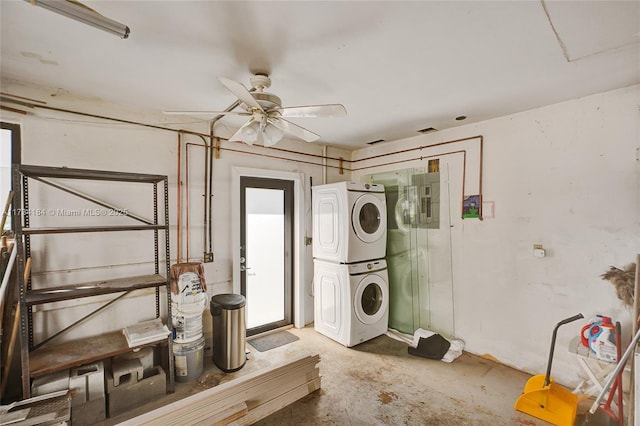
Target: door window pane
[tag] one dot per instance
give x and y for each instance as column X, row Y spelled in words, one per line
column 264, row 256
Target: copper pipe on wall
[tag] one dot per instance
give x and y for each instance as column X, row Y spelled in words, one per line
column 420, row 148
column 153, row 126
column 422, row 157
column 480, row 178
column 269, row 156
column 186, row 194
column 17, row 111
column 464, row 164
column 303, row 153
column 202, row 135
column 464, row 167
column 179, row 202
column 119, row 120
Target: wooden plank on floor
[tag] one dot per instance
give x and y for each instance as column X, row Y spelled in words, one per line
column 202, row 406
column 282, row 385
column 267, row 385
column 225, row 416
column 262, row 391
column 277, row 403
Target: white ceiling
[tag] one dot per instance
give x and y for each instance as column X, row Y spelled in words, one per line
column 396, row 66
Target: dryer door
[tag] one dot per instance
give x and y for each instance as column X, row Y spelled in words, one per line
column 368, row 218
column 371, row 299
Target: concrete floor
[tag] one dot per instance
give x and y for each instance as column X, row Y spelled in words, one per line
column 379, row 383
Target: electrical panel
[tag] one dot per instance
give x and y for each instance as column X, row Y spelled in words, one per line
column 426, row 187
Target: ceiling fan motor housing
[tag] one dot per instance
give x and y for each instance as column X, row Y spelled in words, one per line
column 260, row 81
column 267, row 101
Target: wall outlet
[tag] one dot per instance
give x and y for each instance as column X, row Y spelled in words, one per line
column 208, row 257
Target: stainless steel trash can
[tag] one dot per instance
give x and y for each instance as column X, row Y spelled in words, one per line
column 229, row 331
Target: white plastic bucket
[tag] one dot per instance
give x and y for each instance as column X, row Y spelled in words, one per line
column 186, row 319
column 188, row 360
column 187, row 325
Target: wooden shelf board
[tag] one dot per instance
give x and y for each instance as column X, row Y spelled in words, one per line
column 44, row 361
column 56, row 294
column 84, row 174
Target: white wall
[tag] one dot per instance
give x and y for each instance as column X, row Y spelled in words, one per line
column 566, row 176
column 60, row 139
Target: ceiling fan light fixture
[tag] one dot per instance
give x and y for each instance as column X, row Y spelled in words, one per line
column 250, row 133
column 272, row 135
column 267, row 125
column 81, row 13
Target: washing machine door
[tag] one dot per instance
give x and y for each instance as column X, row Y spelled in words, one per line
column 371, row 299
column 368, row 218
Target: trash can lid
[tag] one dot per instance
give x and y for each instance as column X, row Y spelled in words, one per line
column 228, row 301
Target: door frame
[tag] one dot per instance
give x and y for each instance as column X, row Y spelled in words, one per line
column 298, row 233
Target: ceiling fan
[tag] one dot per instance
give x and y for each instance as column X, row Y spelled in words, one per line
column 266, row 124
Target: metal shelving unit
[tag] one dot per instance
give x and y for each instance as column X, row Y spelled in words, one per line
column 37, row 360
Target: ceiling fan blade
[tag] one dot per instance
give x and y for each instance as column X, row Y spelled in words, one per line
column 214, row 113
column 294, row 129
column 328, row 110
column 241, row 92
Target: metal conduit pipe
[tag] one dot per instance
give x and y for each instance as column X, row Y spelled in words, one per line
column 204, row 213
column 208, row 176
column 324, row 164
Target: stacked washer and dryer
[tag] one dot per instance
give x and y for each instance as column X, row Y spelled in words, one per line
column 351, row 290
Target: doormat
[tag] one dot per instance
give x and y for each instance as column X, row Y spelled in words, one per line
column 270, row 341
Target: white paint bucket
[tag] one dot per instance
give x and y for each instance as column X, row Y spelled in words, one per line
column 187, row 322
column 188, row 360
